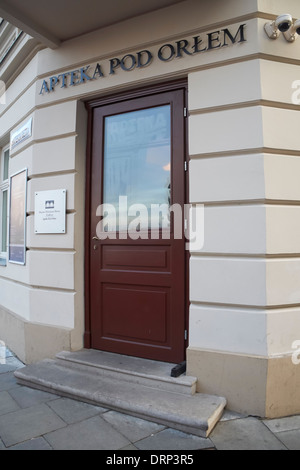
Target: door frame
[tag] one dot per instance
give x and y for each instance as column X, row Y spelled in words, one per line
column 90, row 105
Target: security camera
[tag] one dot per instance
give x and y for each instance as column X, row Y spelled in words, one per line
column 292, row 33
column 284, row 22
column 280, row 25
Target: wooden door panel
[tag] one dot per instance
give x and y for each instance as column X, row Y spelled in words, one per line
column 138, row 258
column 135, row 314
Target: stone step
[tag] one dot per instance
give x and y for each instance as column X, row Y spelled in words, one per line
column 196, row 414
column 133, row 369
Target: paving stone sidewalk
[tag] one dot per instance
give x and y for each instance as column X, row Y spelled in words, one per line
column 35, row 420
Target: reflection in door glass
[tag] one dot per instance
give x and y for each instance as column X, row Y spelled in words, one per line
column 137, row 162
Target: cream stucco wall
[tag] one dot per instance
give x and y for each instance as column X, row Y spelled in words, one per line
column 243, row 150
column 245, row 281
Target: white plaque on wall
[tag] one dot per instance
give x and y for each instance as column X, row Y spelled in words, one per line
column 22, row 133
column 50, row 211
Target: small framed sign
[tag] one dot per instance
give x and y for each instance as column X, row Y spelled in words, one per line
column 22, row 133
column 50, row 211
column 17, row 218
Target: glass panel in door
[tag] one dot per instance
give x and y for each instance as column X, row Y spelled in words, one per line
column 137, row 165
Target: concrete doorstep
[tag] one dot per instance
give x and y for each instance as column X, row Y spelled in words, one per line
column 134, row 386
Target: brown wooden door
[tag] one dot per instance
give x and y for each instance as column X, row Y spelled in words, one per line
column 137, row 271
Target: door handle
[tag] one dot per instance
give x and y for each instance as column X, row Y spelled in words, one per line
column 96, row 238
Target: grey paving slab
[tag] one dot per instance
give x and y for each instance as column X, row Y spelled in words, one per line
column 72, row 411
column 92, row 434
column 133, row 428
column 228, row 415
column 244, row 434
column 8, row 381
column 130, row 447
column 283, row 424
column 27, row 423
column 38, row 443
column 7, row 403
column 171, row 439
column 11, row 364
column 26, row 397
column 291, row 439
